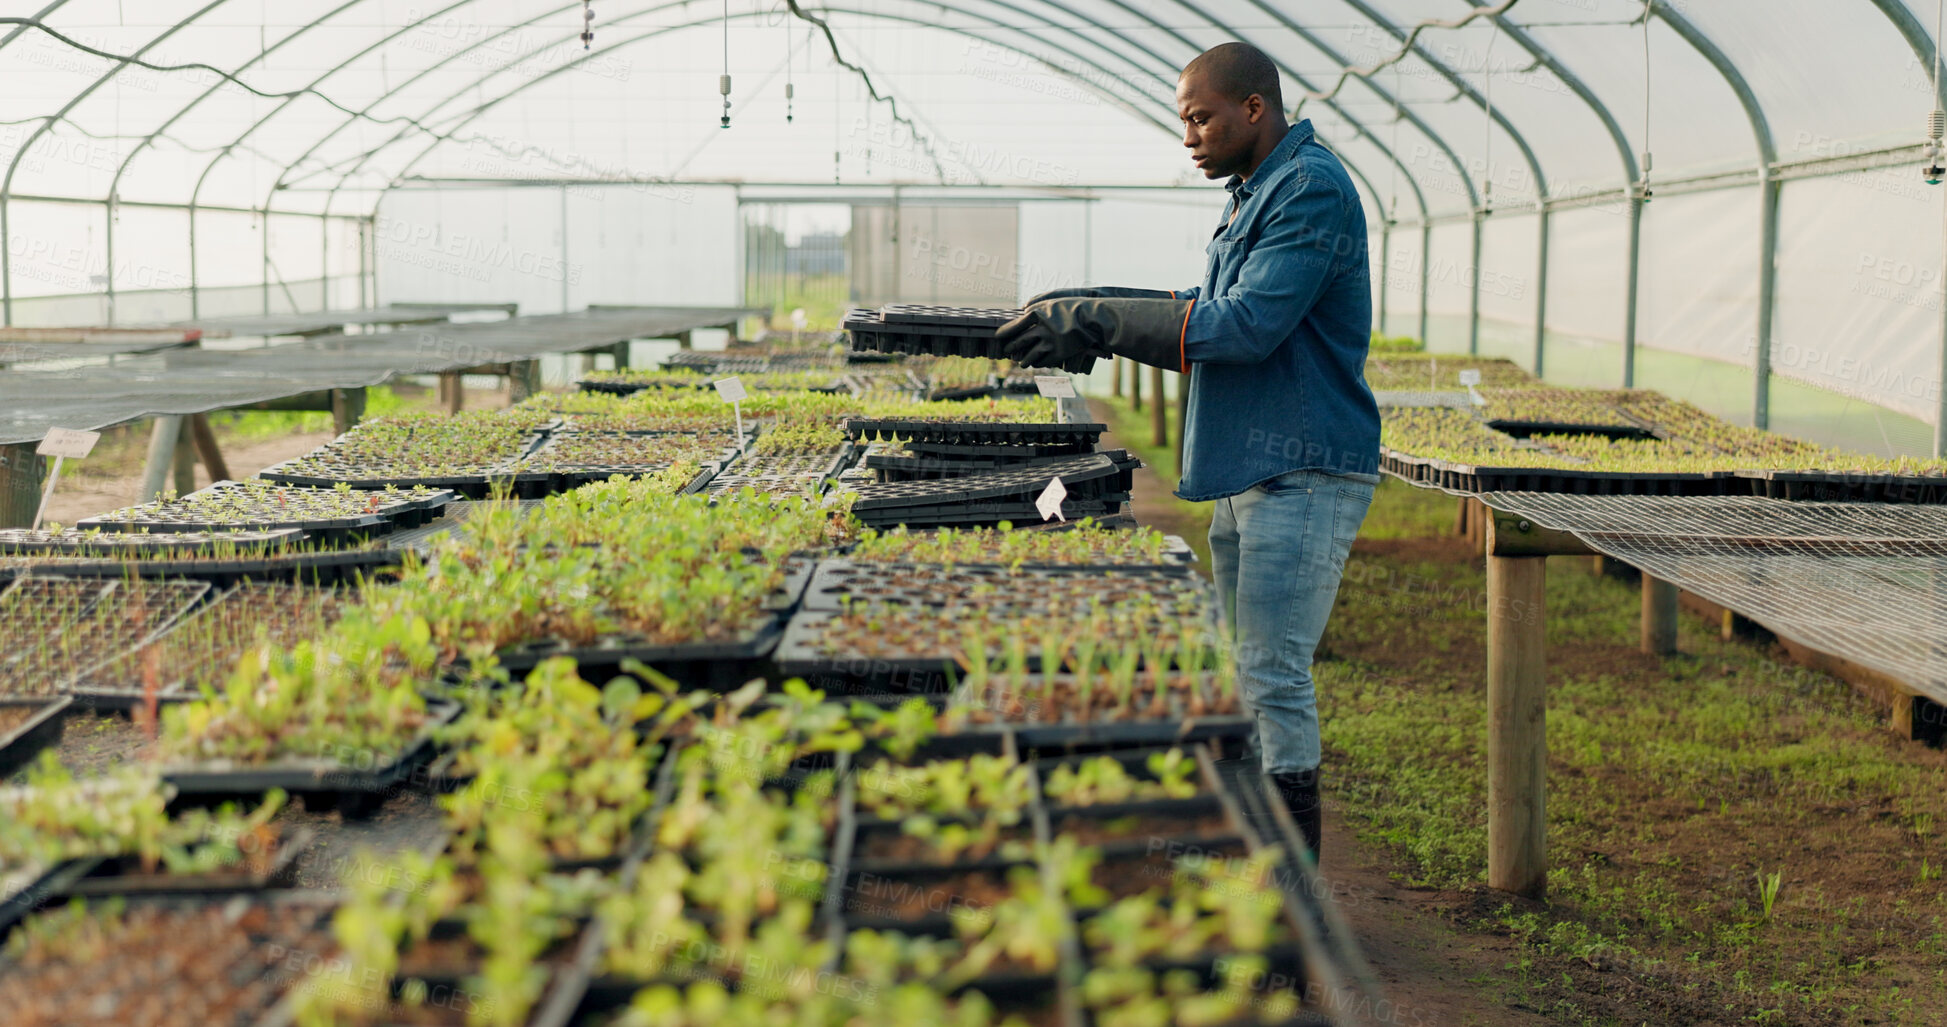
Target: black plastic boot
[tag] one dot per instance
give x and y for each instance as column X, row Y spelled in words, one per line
column 1300, row 794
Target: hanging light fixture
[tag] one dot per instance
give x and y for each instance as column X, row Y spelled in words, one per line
column 723, row 80
column 587, row 24
column 1933, row 152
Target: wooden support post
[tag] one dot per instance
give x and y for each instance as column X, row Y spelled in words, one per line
column 1135, row 387
column 20, row 484
column 1461, row 509
column 347, row 409
column 1596, row 565
column 620, row 354
column 184, row 463
column 452, row 391
column 1159, row 410
column 1659, row 616
column 1115, row 377
column 206, row 450
column 1727, row 625
column 523, row 379
column 1517, row 726
column 683, row 340
column 1517, row 709
column 162, row 452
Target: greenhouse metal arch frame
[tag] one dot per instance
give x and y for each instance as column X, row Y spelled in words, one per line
column 1120, row 43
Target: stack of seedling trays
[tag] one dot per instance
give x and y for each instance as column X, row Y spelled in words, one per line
column 327, row 516
column 203, row 647
column 1097, row 487
column 630, row 385
column 715, row 362
column 946, row 331
column 1841, row 487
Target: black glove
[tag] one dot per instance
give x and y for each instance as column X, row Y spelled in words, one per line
column 1102, row 292
column 1052, row 332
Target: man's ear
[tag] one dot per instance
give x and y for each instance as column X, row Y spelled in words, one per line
column 1253, row 108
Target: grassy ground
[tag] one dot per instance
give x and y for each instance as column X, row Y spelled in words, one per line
column 1732, row 839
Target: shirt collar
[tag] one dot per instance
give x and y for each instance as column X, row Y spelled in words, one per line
column 1241, row 187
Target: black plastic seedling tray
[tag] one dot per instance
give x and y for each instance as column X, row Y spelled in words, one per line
column 838, row 582
column 815, row 465
column 406, row 513
column 1452, row 477
column 950, row 332
column 1838, row 486
column 973, row 433
column 320, row 567
column 988, row 514
column 30, row 890
column 104, row 876
column 1005, row 454
column 715, row 665
column 1021, row 483
column 930, row 468
column 104, row 545
column 321, row 783
column 484, row 485
column 21, row 744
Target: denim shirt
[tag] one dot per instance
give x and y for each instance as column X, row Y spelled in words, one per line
column 1275, row 340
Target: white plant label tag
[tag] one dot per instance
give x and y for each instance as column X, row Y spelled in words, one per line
column 1050, row 502
column 1470, row 377
column 68, row 442
column 1055, row 386
column 731, row 389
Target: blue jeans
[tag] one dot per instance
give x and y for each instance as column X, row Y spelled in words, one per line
column 1277, row 551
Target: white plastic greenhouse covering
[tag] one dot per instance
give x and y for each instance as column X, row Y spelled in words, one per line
column 175, row 158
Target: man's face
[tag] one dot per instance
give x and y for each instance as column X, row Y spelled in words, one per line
column 1220, row 132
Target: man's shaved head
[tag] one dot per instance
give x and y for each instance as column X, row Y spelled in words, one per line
column 1235, row 71
column 1232, row 110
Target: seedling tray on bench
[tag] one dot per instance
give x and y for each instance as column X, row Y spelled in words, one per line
column 1018, row 484
column 1453, row 477
column 111, row 544
column 724, row 665
column 263, row 513
column 1839, row 486
column 320, row 567
column 930, row 584
column 123, row 875
column 321, row 783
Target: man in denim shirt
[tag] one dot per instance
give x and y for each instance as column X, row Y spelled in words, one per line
column 1280, row 429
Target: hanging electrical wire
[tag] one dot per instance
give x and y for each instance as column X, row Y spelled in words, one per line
column 919, row 138
column 723, row 80
column 1406, row 47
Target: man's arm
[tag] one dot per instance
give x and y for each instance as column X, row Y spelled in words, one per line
column 1283, row 276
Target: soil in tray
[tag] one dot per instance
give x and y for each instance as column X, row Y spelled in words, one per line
column 1098, row 831
column 96, row 743
column 899, row 847
column 1156, row 868
column 157, row 965
column 923, row 896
